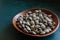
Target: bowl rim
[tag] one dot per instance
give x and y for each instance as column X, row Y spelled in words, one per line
column 31, row 34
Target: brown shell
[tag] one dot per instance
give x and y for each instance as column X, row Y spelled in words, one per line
column 54, row 16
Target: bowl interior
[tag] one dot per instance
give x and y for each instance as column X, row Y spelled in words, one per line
column 54, row 17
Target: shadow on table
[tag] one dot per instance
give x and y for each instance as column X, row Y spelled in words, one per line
column 12, row 34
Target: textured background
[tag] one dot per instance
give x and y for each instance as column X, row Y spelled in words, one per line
column 9, row 8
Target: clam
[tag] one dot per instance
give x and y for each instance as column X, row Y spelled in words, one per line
column 36, row 22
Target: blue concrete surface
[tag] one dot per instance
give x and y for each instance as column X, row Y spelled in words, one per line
column 9, row 8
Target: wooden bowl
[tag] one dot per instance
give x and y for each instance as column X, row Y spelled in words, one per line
column 54, row 16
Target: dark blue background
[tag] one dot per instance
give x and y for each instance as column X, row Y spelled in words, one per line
column 9, row 8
